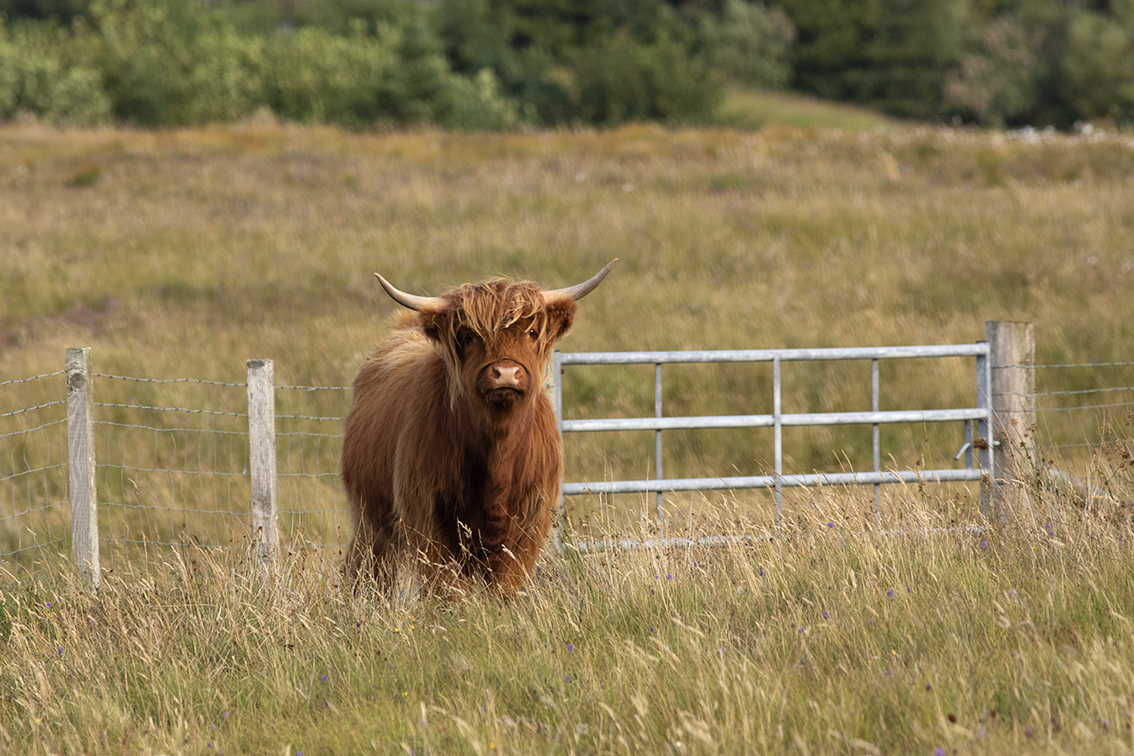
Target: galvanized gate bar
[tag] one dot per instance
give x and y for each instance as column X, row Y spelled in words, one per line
column 769, row 421
column 771, row 481
column 767, row 355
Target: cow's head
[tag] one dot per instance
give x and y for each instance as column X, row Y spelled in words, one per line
column 496, row 336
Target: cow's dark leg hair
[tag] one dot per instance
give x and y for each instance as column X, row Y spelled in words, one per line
column 373, row 554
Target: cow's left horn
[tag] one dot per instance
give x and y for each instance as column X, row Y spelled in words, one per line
column 411, row 301
column 578, row 291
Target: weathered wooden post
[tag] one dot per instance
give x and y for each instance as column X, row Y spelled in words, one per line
column 262, row 457
column 1012, row 351
column 81, row 464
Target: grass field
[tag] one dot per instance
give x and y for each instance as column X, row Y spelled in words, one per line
column 181, row 254
column 829, row 641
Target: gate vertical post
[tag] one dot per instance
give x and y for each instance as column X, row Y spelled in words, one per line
column 658, row 447
column 778, row 442
column 1012, row 354
column 555, row 385
column 983, row 440
column 262, row 458
column 81, row 464
column 874, row 405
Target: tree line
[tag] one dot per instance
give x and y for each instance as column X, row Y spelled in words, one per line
column 502, row 64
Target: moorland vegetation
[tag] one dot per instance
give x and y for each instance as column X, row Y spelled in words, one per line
column 508, row 64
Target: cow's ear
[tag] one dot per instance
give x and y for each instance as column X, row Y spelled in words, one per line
column 435, row 324
column 560, row 318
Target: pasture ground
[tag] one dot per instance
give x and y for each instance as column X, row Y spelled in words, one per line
column 1012, row 640
column 181, row 254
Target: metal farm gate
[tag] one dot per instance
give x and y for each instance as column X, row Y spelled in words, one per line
column 979, row 467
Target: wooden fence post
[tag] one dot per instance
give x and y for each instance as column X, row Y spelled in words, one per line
column 81, row 464
column 1012, row 348
column 262, row 457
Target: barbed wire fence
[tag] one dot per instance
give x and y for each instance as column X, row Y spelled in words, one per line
column 172, row 467
column 1081, row 419
column 33, row 467
column 173, row 464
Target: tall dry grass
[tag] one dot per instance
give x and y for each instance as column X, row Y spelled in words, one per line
column 828, row 640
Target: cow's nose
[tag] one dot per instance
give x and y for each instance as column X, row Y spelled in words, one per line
column 507, row 376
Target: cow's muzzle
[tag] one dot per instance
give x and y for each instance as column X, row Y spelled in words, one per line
column 504, row 382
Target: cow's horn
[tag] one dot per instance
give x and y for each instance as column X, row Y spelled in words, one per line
column 578, row 291
column 411, row 301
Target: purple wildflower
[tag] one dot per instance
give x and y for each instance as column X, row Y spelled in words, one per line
column 824, row 614
column 890, row 593
column 323, row 678
column 570, row 646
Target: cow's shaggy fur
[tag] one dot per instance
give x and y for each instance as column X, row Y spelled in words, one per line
column 445, row 462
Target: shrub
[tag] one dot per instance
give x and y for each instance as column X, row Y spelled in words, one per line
column 35, row 78
column 624, row 80
column 1098, row 67
column 313, row 75
column 889, row 54
column 749, row 43
column 996, row 79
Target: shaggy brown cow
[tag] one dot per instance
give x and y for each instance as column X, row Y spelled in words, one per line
column 451, row 453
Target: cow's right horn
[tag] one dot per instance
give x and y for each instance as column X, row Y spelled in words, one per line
column 578, row 291
column 412, row 301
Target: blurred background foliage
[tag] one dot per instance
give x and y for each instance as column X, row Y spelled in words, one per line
column 504, row 64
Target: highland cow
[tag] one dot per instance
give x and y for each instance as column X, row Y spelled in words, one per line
column 451, row 458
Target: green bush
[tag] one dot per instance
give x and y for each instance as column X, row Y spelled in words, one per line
column 997, row 78
column 313, row 75
column 36, row 78
column 178, row 62
column 1098, row 67
column 624, row 80
column 889, row 54
column 749, row 43
column 400, row 76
